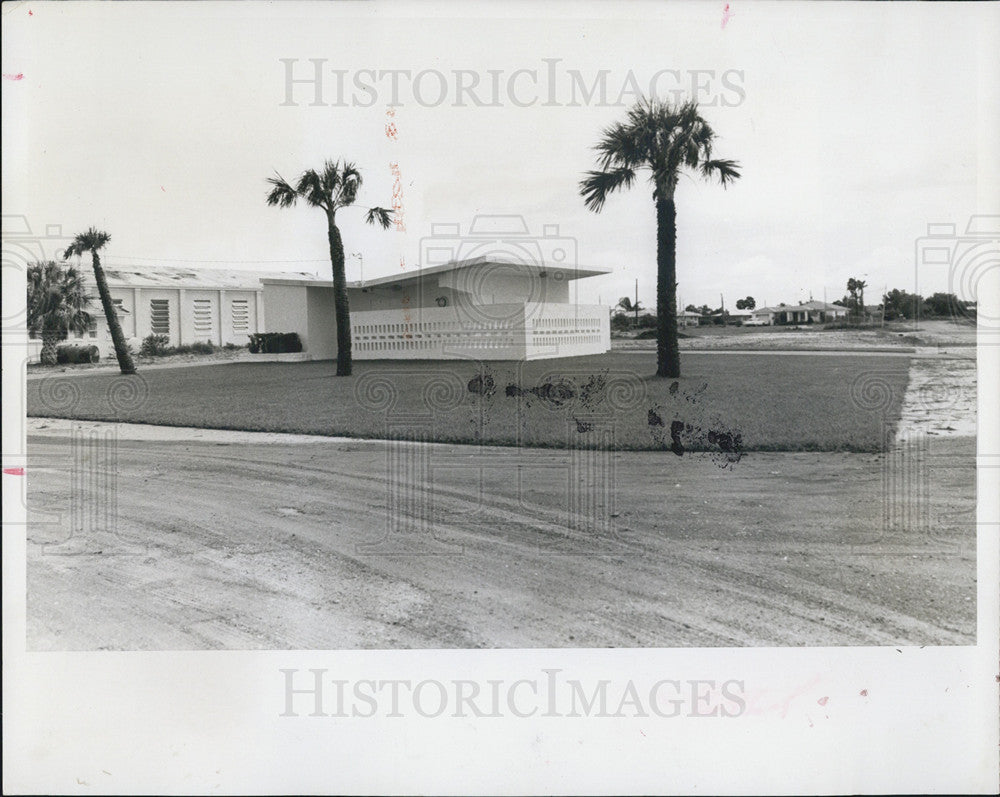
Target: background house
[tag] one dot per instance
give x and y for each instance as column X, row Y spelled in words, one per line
column 686, row 318
column 811, row 312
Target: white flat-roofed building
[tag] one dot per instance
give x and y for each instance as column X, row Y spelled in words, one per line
column 187, row 305
column 482, row 308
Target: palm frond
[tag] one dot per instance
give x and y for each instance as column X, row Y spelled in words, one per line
column 380, row 216
column 350, row 182
column 727, row 171
column 93, row 240
column 313, row 189
column 597, row 186
column 281, row 194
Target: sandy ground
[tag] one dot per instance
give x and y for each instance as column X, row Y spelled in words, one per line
column 212, row 539
column 935, row 333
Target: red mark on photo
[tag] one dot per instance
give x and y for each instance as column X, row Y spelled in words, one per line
column 823, row 701
column 397, row 197
column 863, row 693
column 726, row 16
column 14, row 471
column 18, row 76
column 390, row 126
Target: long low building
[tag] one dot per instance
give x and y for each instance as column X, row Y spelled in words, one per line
column 483, row 308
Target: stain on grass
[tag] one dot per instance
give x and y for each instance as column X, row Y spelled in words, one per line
column 760, row 403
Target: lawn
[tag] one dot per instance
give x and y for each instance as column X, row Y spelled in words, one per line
column 725, row 403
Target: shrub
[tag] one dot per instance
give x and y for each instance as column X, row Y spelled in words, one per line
column 154, row 346
column 198, row 347
column 70, row 354
column 275, row 343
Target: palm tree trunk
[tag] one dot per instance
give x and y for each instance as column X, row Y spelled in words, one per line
column 122, row 352
column 668, row 358
column 50, row 341
column 340, row 303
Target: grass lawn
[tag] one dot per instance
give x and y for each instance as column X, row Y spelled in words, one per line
column 724, row 403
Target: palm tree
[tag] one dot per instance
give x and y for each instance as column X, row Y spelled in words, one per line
column 665, row 138
column 628, row 307
column 93, row 240
column 335, row 187
column 57, row 305
column 856, row 288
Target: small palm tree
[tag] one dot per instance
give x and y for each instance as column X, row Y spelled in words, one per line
column 665, row 138
column 335, row 187
column 628, row 307
column 93, row 240
column 57, row 305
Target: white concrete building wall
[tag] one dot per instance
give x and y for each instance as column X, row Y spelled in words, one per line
column 567, row 330
column 504, row 283
column 238, row 311
column 321, row 332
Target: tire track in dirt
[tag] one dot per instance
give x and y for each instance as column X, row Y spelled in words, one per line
column 256, row 547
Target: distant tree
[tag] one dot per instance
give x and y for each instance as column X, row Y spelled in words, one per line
column 57, row 305
column 856, row 288
column 900, row 304
column 93, row 240
column 691, row 309
column 945, row 304
column 627, row 306
column 746, row 304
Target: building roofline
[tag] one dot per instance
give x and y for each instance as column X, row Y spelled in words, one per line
column 568, row 271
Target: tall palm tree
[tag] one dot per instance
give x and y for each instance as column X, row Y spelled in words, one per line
column 57, row 305
column 93, row 240
column 331, row 189
column 665, row 138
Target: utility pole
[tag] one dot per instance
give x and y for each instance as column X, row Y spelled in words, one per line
column 361, row 261
column 636, row 306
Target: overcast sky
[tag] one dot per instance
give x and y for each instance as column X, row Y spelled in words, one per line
column 855, row 126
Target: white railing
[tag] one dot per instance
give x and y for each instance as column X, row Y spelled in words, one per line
column 567, row 330
column 487, row 332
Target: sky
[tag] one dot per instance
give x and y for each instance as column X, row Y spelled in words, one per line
column 855, row 127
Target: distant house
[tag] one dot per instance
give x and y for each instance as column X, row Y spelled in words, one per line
column 686, row 318
column 810, row 312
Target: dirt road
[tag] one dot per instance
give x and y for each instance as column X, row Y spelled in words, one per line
column 241, row 541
